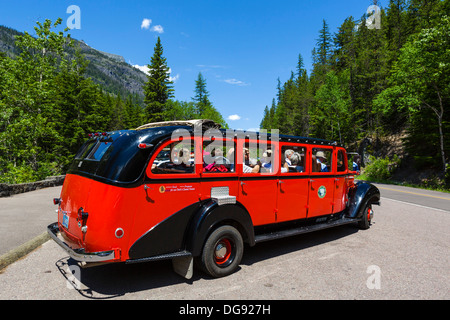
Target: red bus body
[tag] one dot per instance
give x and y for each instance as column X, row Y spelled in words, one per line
column 127, row 199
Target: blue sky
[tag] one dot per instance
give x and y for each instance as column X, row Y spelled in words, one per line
column 241, row 47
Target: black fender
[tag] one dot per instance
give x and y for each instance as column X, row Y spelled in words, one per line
column 211, row 216
column 167, row 236
column 359, row 196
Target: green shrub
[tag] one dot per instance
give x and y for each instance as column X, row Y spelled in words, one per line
column 24, row 173
column 381, row 169
column 17, row 174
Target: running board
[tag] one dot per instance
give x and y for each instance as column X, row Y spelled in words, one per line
column 304, row 229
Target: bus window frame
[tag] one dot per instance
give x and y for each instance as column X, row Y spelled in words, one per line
column 275, row 146
column 307, row 163
column 332, row 162
column 167, row 176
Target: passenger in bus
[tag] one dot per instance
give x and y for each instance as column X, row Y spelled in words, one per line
column 220, row 163
column 287, row 156
column 356, row 163
column 249, row 165
column 293, row 163
column 266, row 165
column 218, row 156
column 296, row 160
column 321, row 161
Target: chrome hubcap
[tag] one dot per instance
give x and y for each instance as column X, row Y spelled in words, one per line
column 221, row 251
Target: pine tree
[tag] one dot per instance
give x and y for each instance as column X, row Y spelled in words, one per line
column 158, row 89
column 133, row 113
column 321, row 57
column 344, row 45
column 324, row 44
column 201, row 94
column 265, row 122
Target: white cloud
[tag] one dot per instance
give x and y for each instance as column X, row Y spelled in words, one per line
column 146, row 23
column 146, row 71
column 174, row 79
column 234, row 117
column 236, row 82
column 158, row 28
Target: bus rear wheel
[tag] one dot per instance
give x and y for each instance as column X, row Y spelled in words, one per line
column 222, row 252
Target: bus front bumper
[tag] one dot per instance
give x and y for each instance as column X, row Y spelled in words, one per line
column 79, row 254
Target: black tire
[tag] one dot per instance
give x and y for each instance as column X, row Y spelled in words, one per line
column 222, row 252
column 366, row 219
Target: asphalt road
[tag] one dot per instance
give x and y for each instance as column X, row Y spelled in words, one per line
column 420, row 197
column 25, row 216
column 404, row 255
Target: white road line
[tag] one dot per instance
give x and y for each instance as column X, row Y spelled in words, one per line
column 416, row 205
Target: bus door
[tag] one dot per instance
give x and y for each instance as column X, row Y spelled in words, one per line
column 321, row 182
column 258, row 183
column 218, row 166
column 292, row 202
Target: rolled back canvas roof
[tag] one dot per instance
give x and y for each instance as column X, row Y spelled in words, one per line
column 203, row 123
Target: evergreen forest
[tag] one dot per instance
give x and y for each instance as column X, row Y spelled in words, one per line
column 385, row 74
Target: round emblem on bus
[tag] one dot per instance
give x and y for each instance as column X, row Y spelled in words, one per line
column 322, row 192
column 162, row 189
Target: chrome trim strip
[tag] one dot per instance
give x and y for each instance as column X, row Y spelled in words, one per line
column 79, row 254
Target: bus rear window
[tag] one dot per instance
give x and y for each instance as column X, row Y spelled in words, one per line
column 85, row 150
column 93, row 150
column 98, row 151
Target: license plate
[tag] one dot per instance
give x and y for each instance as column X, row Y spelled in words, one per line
column 65, row 221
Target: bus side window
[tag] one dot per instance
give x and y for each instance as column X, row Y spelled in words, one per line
column 218, row 157
column 321, row 160
column 341, row 161
column 177, row 157
column 258, row 158
column 292, row 159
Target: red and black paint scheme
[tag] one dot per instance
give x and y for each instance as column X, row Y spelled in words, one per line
column 115, row 207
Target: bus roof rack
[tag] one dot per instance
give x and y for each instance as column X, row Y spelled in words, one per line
column 202, row 123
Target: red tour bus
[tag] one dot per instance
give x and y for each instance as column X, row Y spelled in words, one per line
column 189, row 190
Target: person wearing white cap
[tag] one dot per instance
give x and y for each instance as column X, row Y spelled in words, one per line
column 321, row 159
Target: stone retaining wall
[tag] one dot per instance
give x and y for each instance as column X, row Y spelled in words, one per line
column 7, row 190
